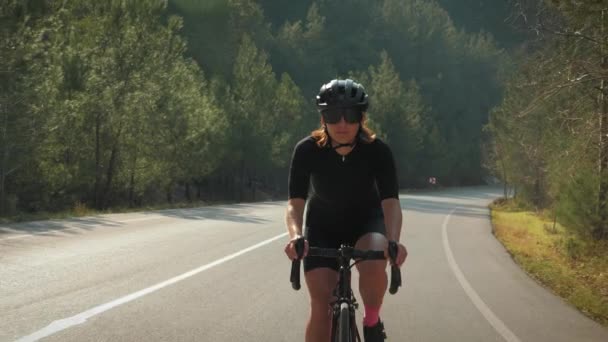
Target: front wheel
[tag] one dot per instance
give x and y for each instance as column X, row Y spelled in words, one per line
column 343, row 328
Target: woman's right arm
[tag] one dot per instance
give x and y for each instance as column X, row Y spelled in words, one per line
column 299, row 178
column 295, row 217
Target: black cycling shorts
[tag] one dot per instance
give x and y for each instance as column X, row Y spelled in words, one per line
column 333, row 237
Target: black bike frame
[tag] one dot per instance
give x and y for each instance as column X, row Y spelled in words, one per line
column 343, row 291
column 344, row 294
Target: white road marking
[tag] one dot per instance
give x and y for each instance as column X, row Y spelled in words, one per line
column 62, row 324
column 498, row 325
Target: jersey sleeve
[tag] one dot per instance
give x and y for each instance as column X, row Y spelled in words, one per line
column 299, row 170
column 386, row 172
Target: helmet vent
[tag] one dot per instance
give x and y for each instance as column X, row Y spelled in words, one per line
column 353, row 92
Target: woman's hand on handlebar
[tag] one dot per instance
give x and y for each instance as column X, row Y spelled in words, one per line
column 290, row 248
column 401, row 254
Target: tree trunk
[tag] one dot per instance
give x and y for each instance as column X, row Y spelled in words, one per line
column 252, row 183
column 601, row 231
column 205, row 189
column 188, row 195
column 132, row 183
column 504, row 170
column 109, row 176
column 212, row 186
column 505, row 184
column 98, row 171
column 169, row 196
column 3, row 204
column 241, row 187
column 538, row 189
column 224, row 189
column 3, row 166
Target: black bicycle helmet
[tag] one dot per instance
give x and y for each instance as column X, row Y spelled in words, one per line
column 342, row 93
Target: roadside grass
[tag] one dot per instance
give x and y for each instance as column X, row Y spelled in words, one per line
column 574, row 267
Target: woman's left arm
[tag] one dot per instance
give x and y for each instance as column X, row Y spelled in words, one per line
column 388, row 189
column 392, row 221
column 392, row 218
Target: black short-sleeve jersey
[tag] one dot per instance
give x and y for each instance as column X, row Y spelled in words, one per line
column 337, row 185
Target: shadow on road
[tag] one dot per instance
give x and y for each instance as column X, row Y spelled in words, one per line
column 240, row 213
column 76, row 225
column 442, row 201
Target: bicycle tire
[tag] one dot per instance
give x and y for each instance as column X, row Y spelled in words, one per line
column 344, row 329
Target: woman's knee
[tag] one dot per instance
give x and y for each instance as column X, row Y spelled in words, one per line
column 372, row 241
column 372, row 268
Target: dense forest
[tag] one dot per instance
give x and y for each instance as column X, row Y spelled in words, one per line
column 549, row 134
column 129, row 103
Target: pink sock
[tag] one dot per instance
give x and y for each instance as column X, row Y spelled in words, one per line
column 371, row 316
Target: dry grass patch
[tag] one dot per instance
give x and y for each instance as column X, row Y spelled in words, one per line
column 572, row 266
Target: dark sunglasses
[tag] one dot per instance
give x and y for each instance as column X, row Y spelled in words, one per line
column 333, row 115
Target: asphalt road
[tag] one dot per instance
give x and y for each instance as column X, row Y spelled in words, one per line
column 219, row 274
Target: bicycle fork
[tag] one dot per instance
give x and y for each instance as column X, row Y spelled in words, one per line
column 345, row 295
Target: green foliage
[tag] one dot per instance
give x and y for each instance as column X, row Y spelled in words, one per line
column 577, row 204
column 492, row 16
column 289, row 109
column 20, row 128
column 545, row 132
column 397, row 114
column 141, row 102
column 119, row 108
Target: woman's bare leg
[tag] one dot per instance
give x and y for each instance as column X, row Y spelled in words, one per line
column 321, row 283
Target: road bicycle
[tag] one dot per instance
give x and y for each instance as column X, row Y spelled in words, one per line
column 344, row 327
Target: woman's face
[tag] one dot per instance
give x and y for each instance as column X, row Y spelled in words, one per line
column 342, row 132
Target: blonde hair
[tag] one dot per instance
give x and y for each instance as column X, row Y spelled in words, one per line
column 365, row 134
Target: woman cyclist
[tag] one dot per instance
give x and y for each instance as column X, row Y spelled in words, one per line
column 352, row 199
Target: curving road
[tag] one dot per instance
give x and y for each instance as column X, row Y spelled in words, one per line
column 219, row 274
